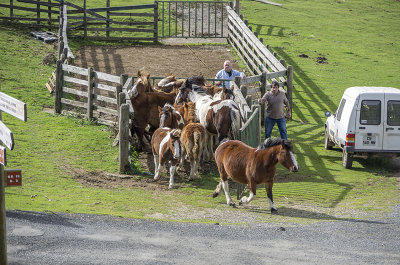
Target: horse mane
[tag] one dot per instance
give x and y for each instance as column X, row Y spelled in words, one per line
column 274, row 142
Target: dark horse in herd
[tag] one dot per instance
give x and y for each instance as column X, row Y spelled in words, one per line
column 188, row 119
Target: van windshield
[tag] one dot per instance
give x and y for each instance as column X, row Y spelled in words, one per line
column 370, row 113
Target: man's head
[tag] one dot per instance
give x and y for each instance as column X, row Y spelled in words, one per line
column 227, row 66
column 275, row 87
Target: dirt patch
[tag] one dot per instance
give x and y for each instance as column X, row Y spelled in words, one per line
column 158, row 60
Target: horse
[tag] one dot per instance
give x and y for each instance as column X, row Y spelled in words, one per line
column 145, row 106
column 252, row 166
column 225, row 93
column 166, row 148
column 143, row 86
column 220, row 117
column 170, row 118
column 169, row 83
column 187, row 111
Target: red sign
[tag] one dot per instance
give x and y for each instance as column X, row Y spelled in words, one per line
column 3, row 159
column 13, row 177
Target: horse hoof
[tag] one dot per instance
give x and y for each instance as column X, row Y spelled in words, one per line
column 215, row 194
column 232, row 204
column 274, row 211
column 170, row 186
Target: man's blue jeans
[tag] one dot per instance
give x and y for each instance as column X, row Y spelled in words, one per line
column 269, row 125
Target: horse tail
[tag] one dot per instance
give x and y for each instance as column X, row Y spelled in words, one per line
column 235, row 123
column 196, row 141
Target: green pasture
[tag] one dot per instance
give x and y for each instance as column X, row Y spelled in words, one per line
column 358, row 43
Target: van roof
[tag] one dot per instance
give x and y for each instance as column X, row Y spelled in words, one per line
column 357, row 90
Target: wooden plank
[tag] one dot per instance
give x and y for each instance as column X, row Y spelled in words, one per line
column 131, row 14
column 127, row 85
column 6, row 136
column 76, row 80
column 29, row 9
column 87, row 10
column 121, row 29
column 105, row 87
column 251, row 79
column 75, row 69
column 13, row 106
column 121, row 8
column 74, row 103
column 39, row 2
column 129, row 23
column 107, row 77
column 119, row 38
column 106, row 110
column 75, row 92
column 107, row 122
column 51, row 90
column 274, row 75
column 105, row 99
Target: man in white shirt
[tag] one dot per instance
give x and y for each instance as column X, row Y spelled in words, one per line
column 227, row 73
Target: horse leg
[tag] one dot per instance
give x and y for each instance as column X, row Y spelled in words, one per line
column 181, row 165
column 192, row 168
column 225, row 186
column 252, row 194
column 268, row 188
column 157, row 167
column 172, row 170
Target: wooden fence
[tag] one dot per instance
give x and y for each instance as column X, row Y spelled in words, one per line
column 20, row 9
column 258, row 58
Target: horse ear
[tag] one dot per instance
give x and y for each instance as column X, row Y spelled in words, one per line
column 139, row 73
column 159, row 109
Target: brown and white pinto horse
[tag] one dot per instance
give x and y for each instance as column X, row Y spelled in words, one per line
column 219, row 117
column 193, row 137
column 169, row 83
column 170, row 118
column 145, row 106
column 252, row 166
column 187, row 111
column 166, row 148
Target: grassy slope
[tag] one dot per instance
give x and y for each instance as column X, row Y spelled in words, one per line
column 361, row 47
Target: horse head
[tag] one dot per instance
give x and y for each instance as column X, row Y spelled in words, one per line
column 183, row 92
column 165, row 114
column 286, row 156
column 175, row 135
column 189, row 112
column 142, row 84
column 227, row 93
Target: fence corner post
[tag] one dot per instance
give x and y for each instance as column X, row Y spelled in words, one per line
column 90, row 94
column 237, row 6
column 289, row 84
column 155, row 21
column 58, row 88
column 123, row 138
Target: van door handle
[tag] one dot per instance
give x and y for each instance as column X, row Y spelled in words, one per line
column 387, row 129
column 362, row 128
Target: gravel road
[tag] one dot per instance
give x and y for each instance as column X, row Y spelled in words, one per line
column 42, row 238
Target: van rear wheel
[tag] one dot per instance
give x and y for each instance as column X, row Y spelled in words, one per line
column 347, row 159
column 328, row 143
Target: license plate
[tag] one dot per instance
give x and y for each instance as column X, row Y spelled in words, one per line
column 369, row 140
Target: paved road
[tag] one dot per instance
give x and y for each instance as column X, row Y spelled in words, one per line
column 40, row 238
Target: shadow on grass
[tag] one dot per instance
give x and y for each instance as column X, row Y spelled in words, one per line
column 41, row 218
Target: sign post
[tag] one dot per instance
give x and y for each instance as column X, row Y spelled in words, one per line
column 17, row 109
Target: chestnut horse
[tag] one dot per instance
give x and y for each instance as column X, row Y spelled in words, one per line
column 252, row 166
column 170, row 118
column 166, row 148
column 145, row 106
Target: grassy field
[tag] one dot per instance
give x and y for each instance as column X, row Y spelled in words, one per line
column 360, row 43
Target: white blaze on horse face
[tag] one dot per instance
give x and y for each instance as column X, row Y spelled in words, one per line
column 294, row 161
column 162, row 119
column 176, row 149
column 133, row 92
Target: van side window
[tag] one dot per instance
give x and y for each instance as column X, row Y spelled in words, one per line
column 370, row 113
column 340, row 109
column 393, row 113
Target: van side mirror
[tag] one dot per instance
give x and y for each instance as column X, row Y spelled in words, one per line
column 327, row 113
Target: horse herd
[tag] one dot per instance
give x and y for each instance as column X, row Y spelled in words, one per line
column 185, row 118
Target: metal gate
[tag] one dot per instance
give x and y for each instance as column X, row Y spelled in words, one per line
column 193, row 19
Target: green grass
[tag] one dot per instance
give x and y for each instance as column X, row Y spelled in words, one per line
column 361, row 44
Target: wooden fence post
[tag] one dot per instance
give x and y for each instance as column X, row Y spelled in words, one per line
column 49, row 14
column 107, row 21
column 289, row 83
column 124, row 138
column 90, row 94
column 155, row 22
column 38, row 13
column 263, row 89
column 11, row 10
column 84, row 20
column 58, row 88
column 237, row 6
column 3, row 230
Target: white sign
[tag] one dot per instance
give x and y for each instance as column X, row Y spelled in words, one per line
column 6, row 136
column 13, row 106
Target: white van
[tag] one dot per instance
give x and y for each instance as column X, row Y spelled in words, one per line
column 367, row 121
